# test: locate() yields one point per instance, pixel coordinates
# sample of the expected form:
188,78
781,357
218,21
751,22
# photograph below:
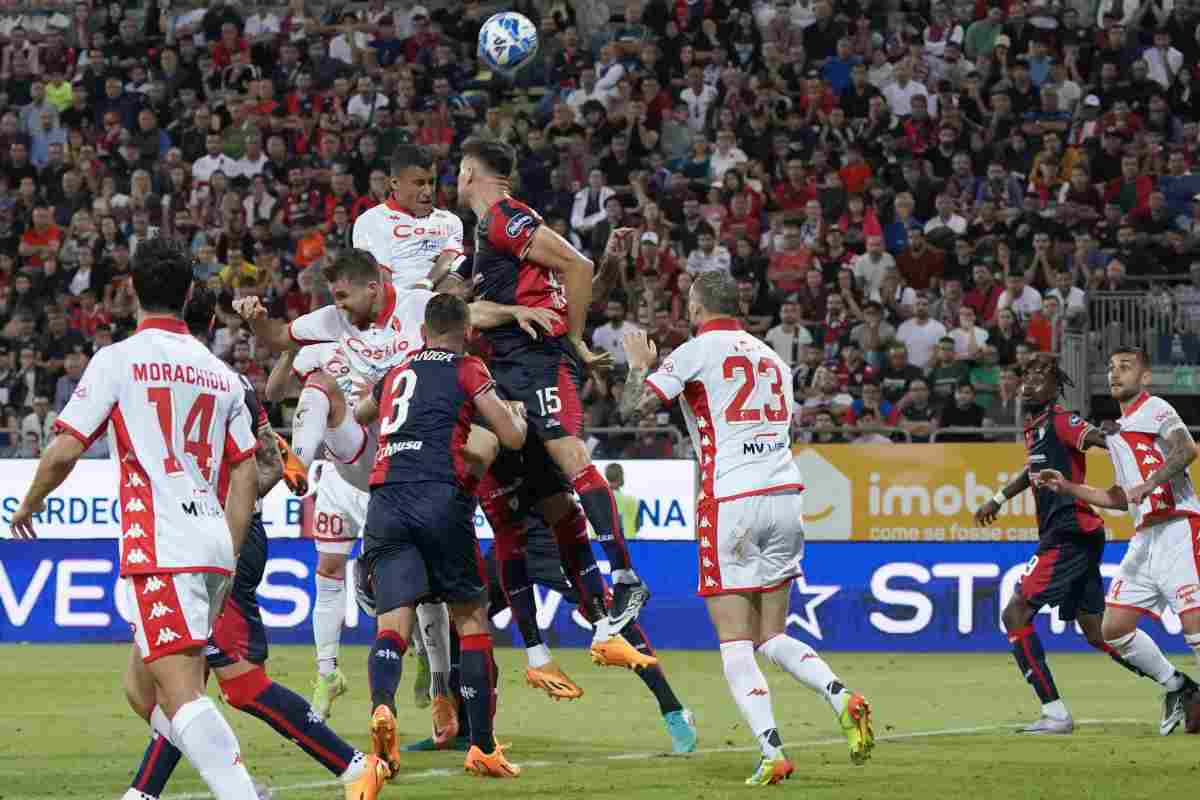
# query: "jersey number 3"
737,413
405,385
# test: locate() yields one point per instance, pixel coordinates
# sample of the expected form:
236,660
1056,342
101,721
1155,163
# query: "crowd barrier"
855,596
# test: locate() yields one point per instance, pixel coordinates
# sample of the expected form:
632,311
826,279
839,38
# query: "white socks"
329,613
206,740
160,724
624,576
347,440
134,794
1055,709
1193,641
355,770
802,663
751,694
434,621
1140,650
538,655
309,423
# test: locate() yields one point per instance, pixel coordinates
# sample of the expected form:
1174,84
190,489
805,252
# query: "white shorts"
173,612
339,514
752,544
1161,569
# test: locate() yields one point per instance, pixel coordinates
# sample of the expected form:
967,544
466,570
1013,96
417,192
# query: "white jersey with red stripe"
737,395
372,351
178,415
406,245
1139,448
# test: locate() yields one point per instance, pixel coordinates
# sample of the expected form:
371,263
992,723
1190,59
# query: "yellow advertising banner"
926,492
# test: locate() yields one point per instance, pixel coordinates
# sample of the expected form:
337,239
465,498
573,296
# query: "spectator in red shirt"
1132,190
853,371
92,315
424,40
985,294
787,270
855,171
41,240
341,193
813,299
740,222
794,192
230,43
921,265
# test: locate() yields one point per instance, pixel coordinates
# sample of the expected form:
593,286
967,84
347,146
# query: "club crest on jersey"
518,223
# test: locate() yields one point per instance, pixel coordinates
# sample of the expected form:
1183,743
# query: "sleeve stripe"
487,387
666,401
235,457
86,441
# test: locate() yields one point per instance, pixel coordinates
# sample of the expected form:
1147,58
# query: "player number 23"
774,411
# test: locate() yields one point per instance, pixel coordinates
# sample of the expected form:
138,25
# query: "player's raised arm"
642,353
53,467
268,459
506,422
274,334
281,376
1113,497
549,249
534,321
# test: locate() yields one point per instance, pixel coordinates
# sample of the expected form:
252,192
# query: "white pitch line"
887,737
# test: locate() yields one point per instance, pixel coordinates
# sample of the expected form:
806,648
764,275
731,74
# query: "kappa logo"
832,514
135,481
1142,447
668,366
160,609
153,584
137,556
211,650
705,542
705,522
707,562
166,636
135,504
709,581
135,532
313,717
517,224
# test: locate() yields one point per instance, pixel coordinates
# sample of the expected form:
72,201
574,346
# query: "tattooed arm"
270,465
636,402
1182,452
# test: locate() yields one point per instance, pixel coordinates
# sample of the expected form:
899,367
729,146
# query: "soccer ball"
507,42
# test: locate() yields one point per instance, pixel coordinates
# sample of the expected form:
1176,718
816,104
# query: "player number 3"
403,390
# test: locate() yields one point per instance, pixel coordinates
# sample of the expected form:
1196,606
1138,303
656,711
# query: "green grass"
65,732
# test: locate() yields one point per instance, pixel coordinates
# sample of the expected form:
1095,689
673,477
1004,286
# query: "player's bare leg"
629,593
737,620
1092,627
804,664
161,756
478,676
1030,656
384,666
329,613
197,727
1122,634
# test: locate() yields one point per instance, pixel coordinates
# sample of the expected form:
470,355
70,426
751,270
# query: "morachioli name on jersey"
159,372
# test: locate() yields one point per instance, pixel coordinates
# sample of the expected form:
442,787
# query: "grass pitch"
944,723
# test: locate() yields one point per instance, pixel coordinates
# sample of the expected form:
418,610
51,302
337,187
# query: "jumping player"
520,261
178,421
1065,571
237,650
420,539
1151,450
748,515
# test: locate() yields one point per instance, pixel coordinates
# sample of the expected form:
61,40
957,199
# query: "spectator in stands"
868,419
826,396
870,267
969,338
788,267
708,255
915,414
1018,296
921,265
822,429
961,412
921,333
946,371
1005,411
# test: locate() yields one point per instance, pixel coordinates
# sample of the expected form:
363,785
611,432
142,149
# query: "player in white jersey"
175,415
737,396
1151,449
406,234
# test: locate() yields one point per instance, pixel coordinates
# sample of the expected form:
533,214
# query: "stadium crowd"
914,198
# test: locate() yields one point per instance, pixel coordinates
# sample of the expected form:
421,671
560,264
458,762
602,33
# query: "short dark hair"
410,155
446,313
496,157
200,310
354,264
1136,352
717,293
162,275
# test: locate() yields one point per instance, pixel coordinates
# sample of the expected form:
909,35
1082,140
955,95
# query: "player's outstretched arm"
268,460
53,467
506,420
280,378
270,333
534,321
986,514
1055,481
239,502
642,353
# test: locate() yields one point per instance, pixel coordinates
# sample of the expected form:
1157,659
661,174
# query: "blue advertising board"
856,596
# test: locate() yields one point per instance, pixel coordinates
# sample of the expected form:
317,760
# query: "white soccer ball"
507,42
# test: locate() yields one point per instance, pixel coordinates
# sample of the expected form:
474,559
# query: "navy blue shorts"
542,561
1066,575
239,633
420,544
528,475
547,376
